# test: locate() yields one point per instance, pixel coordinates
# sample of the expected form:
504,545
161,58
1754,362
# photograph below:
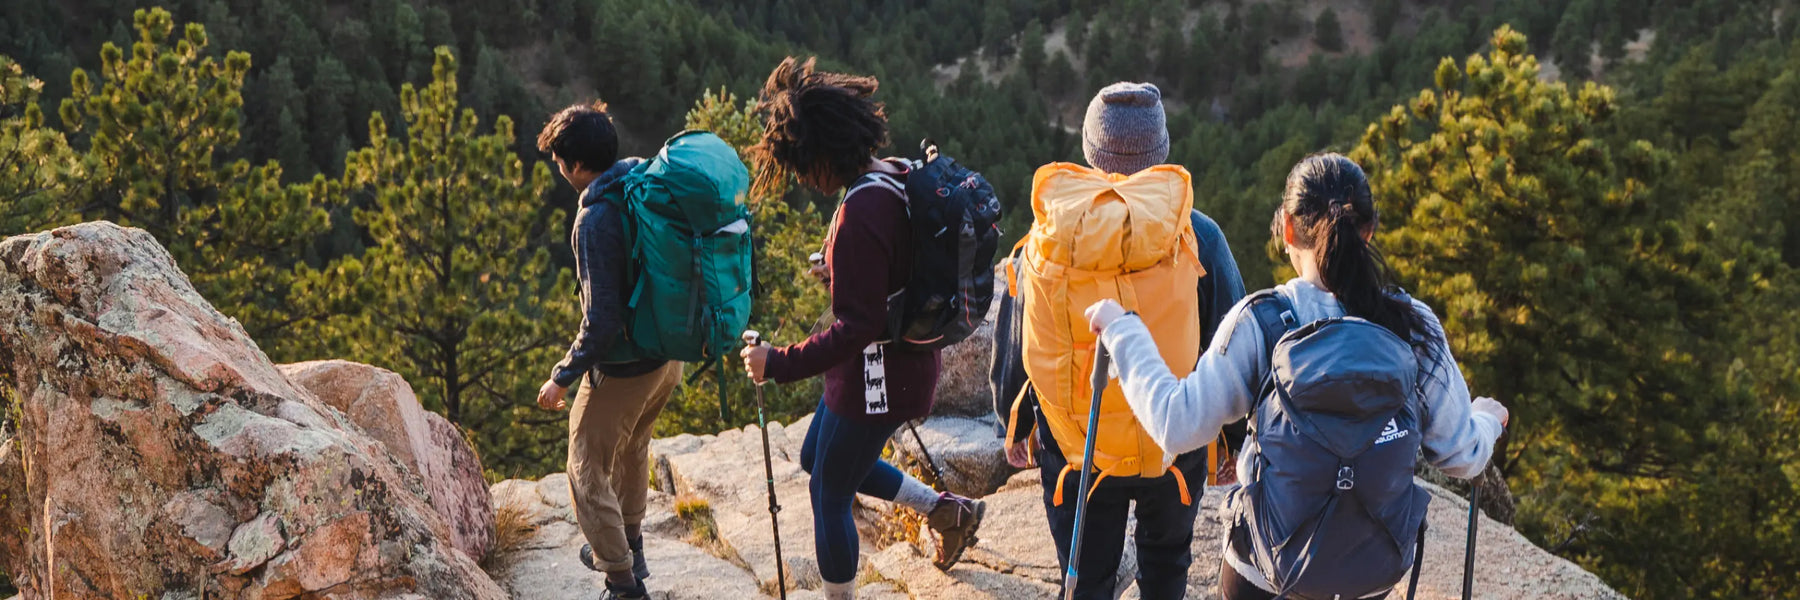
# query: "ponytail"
1333,211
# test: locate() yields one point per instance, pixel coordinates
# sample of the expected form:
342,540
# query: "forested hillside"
1600,200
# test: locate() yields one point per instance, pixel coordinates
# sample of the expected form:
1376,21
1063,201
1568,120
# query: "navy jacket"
602,266
1219,290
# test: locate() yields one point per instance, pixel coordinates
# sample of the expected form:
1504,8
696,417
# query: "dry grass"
512,527
899,524
703,530
801,575
870,576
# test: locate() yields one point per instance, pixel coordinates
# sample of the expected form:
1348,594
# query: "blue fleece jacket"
603,268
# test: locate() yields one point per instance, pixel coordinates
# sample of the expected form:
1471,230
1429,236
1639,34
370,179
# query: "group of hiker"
1130,367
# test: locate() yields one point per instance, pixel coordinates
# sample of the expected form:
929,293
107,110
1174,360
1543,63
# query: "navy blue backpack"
1328,509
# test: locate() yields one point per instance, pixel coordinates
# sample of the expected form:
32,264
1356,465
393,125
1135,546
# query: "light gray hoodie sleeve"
1185,415
1458,440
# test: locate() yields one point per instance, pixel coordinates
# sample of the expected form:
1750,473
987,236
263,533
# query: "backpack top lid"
696,167
1075,217
1341,379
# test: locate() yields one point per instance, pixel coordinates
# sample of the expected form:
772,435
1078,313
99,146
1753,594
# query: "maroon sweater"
868,253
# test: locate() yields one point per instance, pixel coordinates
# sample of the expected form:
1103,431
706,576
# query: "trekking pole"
752,338
1469,554
1073,575
929,462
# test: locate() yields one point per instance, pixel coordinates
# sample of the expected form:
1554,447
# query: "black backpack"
955,221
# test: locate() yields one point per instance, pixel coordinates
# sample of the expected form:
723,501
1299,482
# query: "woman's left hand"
1103,313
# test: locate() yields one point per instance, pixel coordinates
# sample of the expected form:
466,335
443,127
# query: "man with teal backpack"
662,253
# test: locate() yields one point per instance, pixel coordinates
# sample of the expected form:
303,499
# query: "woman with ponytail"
823,129
1326,222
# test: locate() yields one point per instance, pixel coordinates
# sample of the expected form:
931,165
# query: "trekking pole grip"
1102,364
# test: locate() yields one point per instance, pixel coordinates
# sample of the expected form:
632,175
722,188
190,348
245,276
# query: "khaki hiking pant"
609,456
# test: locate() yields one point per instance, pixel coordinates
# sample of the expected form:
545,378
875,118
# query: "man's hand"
551,396
1103,313
1492,407
1018,454
756,358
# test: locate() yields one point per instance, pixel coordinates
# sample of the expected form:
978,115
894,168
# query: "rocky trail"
1014,560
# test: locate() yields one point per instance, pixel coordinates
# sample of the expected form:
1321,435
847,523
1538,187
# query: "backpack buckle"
1346,478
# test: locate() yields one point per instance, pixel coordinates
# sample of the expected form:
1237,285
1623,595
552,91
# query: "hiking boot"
639,568
637,591
955,520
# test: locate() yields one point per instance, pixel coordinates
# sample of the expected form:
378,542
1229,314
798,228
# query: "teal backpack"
689,234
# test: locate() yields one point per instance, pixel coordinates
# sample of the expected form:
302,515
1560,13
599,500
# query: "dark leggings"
850,463
1233,586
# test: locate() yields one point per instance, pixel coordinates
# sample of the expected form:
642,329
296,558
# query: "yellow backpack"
1097,236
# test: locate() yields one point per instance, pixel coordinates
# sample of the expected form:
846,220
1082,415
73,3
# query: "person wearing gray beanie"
1124,133
1125,130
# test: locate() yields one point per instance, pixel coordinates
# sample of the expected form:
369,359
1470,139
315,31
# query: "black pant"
1165,529
1233,586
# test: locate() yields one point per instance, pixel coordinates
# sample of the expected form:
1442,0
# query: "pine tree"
1172,71
1077,26
332,89
1569,291
1763,199
154,128
1060,79
1387,15
996,30
34,159
1031,49
1328,33
457,293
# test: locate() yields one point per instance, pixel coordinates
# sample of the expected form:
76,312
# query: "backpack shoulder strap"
1275,315
876,178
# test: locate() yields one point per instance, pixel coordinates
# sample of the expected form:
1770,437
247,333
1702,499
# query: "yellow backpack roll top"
1097,236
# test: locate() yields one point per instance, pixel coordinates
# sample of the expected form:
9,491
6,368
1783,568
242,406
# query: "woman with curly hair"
823,129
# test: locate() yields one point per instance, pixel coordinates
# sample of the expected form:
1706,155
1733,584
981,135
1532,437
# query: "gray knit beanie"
1125,130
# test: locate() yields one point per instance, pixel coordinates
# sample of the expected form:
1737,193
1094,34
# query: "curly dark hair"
819,127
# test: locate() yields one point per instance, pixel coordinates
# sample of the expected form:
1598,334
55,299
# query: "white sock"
916,495
840,591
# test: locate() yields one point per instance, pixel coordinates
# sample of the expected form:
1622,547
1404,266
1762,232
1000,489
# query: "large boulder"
165,457
963,389
965,450
15,508
382,404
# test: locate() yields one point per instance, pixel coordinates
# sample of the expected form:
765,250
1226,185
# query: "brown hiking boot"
955,520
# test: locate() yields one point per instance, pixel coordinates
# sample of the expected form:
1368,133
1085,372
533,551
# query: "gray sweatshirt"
1185,414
